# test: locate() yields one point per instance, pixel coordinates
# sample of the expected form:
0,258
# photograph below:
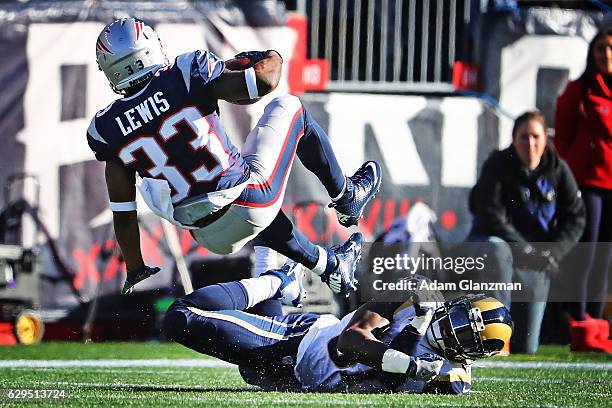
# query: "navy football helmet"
470,327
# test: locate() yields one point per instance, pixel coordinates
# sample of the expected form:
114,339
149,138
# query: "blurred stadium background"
427,87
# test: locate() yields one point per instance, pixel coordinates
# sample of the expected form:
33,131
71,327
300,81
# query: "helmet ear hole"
493,345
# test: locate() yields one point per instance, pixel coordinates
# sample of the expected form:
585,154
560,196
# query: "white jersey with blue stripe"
315,369
320,367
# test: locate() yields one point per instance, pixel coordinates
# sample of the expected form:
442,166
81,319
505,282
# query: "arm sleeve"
199,68
102,151
566,117
486,203
571,213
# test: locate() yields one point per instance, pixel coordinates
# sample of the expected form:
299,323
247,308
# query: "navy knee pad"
175,323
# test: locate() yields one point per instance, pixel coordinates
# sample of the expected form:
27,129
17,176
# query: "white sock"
321,262
265,259
260,288
339,196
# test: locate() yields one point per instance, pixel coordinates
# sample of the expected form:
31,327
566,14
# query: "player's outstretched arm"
358,343
120,183
122,194
248,76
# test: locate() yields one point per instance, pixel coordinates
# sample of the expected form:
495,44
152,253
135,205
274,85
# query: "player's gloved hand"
425,300
256,56
428,307
133,277
425,368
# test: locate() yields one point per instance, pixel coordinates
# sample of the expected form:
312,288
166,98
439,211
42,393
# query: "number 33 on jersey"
172,132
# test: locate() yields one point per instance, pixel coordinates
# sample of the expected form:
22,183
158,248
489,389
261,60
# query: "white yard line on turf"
541,381
205,363
545,364
115,363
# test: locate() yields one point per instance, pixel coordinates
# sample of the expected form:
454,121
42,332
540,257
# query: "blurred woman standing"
583,137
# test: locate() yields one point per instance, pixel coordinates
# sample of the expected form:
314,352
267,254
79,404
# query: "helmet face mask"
470,327
129,53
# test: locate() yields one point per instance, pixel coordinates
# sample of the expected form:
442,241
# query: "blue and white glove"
422,368
425,368
425,303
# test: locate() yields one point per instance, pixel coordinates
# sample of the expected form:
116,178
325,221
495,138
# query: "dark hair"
526,117
587,79
591,69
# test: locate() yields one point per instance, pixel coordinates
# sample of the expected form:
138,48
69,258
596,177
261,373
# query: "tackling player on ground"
414,342
166,129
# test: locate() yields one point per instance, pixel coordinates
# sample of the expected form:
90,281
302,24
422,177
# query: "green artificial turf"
575,385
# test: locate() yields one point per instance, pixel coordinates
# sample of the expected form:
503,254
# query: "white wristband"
394,361
251,82
123,206
421,323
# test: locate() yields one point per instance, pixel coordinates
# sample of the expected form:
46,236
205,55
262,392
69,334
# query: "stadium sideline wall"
431,147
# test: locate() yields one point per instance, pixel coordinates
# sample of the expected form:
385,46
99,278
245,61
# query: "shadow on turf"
161,388
153,388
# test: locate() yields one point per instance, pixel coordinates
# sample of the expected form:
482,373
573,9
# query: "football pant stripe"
266,193
255,324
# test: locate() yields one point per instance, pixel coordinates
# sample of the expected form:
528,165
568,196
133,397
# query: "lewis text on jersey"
153,105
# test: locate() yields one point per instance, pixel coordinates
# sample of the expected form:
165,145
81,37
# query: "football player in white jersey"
415,343
166,129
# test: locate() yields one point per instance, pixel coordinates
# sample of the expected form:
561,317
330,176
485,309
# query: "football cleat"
361,187
137,276
342,279
291,291
470,327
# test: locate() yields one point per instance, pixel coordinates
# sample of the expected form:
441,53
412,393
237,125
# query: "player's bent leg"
236,336
282,283
269,149
282,236
285,129
270,308
336,266
316,153
219,296
349,195
265,260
